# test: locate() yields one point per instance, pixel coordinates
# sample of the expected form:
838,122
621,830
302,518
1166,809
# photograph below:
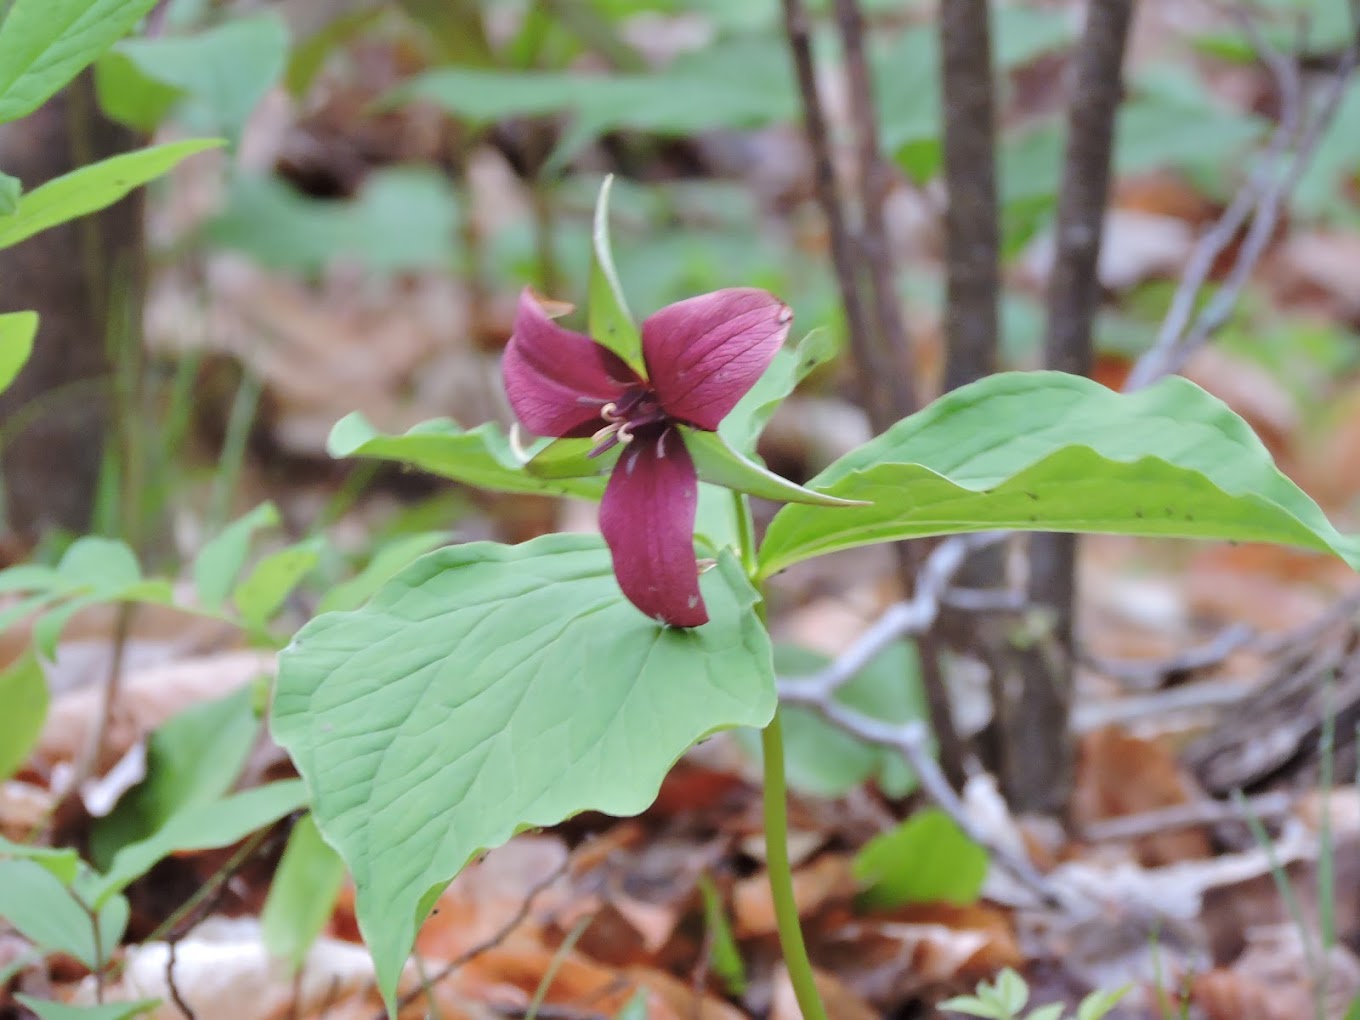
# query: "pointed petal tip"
705,352
557,379
647,519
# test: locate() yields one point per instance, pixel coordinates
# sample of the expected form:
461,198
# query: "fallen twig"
1183,816
487,944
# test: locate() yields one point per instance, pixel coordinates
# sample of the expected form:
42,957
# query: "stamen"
625,433
610,411
607,432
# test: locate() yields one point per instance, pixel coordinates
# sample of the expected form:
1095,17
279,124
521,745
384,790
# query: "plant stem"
781,874
775,794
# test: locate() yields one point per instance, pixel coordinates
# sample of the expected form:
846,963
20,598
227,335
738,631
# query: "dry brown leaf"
24,808
488,895
1119,775
148,697
825,880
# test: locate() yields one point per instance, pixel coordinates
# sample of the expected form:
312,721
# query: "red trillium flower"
701,356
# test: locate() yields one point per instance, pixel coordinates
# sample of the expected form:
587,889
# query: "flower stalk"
775,798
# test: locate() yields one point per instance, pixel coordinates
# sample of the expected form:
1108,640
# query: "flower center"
636,409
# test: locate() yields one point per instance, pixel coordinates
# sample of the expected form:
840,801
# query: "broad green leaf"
23,692
265,588
62,862
93,187
385,564
1044,451
103,564
744,423
217,76
926,859
719,464
481,457
46,43
221,558
1054,1011
46,1010
17,330
202,827
302,895
11,190
44,911
490,688
192,759
825,761
610,323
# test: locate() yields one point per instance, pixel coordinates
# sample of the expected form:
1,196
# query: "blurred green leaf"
23,693
17,330
302,895
45,912
385,564
201,827
724,955
215,79
926,859
92,187
266,587
46,43
46,1010
403,219
11,190
192,759
220,560
825,761
62,862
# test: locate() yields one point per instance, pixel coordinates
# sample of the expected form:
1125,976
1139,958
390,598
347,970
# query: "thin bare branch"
490,942
880,366
869,367
1036,747
972,212
1184,816
890,334
1256,205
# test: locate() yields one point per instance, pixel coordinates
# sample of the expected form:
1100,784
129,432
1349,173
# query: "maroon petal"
647,517
557,380
704,353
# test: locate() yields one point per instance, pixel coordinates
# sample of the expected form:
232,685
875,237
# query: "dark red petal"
556,379
647,517
704,353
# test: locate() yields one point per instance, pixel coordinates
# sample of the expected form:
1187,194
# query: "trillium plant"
491,688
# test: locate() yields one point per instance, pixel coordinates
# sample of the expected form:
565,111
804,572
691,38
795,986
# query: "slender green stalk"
776,798
781,874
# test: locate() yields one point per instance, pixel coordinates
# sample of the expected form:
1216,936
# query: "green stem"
777,815
781,874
